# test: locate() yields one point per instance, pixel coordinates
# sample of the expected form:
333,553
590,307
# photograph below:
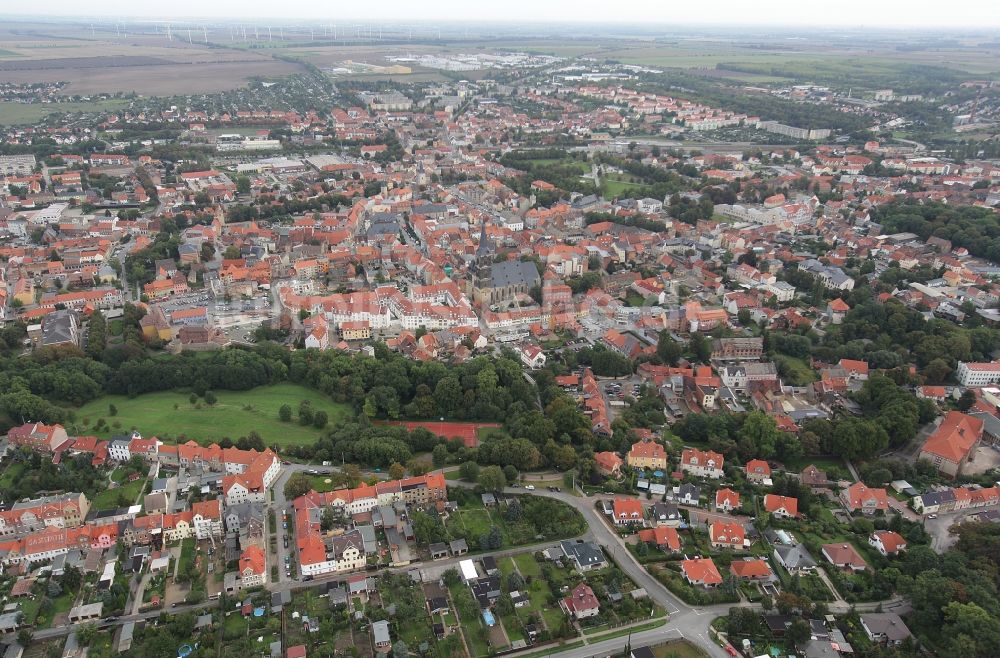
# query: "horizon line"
636,22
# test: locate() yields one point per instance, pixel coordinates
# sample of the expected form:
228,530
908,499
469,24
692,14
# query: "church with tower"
493,282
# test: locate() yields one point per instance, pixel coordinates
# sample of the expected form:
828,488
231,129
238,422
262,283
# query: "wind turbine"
204,32
170,37
189,36
269,33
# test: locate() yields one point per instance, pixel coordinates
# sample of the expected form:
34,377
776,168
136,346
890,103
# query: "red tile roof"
955,437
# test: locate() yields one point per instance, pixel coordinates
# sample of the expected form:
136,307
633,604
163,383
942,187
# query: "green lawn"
187,554
796,370
615,188
680,649
108,498
11,475
527,565
235,414
61,604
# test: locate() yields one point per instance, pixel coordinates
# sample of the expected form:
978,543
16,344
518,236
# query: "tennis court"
467,432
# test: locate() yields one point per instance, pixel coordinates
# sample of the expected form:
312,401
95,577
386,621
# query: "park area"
234,414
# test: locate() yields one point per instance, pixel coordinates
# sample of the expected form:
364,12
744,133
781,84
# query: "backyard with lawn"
120,496
171,414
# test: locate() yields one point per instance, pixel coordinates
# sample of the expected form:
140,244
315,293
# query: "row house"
959,498
52,542
64,511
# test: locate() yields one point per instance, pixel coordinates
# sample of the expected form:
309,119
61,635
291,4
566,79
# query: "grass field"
614,188
237,413
109,498
12,114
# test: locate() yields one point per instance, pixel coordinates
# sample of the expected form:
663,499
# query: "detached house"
726,500
755,569
844,556
608,463
701,463
663,537
627,511
701,571
727,535
647,454
759,472
859,497
887,542
581,602
781,506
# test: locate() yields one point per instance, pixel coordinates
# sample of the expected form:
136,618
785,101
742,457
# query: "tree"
86,634
758,437
668,349
71,579
965,402
492,478
328,519
439,455
491,540
298,484
937,371
798,632
396,471
210,398
305,412
700,348
400,650
451,577
320,419
285,413
469,471
112,410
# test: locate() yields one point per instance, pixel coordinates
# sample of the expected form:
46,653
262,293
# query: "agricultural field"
160,80
144,64
235,414
14,114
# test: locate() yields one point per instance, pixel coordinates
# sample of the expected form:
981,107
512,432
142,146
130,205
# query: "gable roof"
701,570
774,502
955,436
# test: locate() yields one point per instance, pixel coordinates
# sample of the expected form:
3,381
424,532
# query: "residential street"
684,621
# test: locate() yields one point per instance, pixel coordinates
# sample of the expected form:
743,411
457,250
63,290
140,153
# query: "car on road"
529,487
731,650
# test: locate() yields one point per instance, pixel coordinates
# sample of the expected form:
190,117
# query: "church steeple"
485,246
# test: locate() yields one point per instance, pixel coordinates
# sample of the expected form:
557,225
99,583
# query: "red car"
731,650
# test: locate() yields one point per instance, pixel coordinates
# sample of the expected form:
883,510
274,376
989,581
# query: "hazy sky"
889,13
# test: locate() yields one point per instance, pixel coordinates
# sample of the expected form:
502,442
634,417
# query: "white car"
529,487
